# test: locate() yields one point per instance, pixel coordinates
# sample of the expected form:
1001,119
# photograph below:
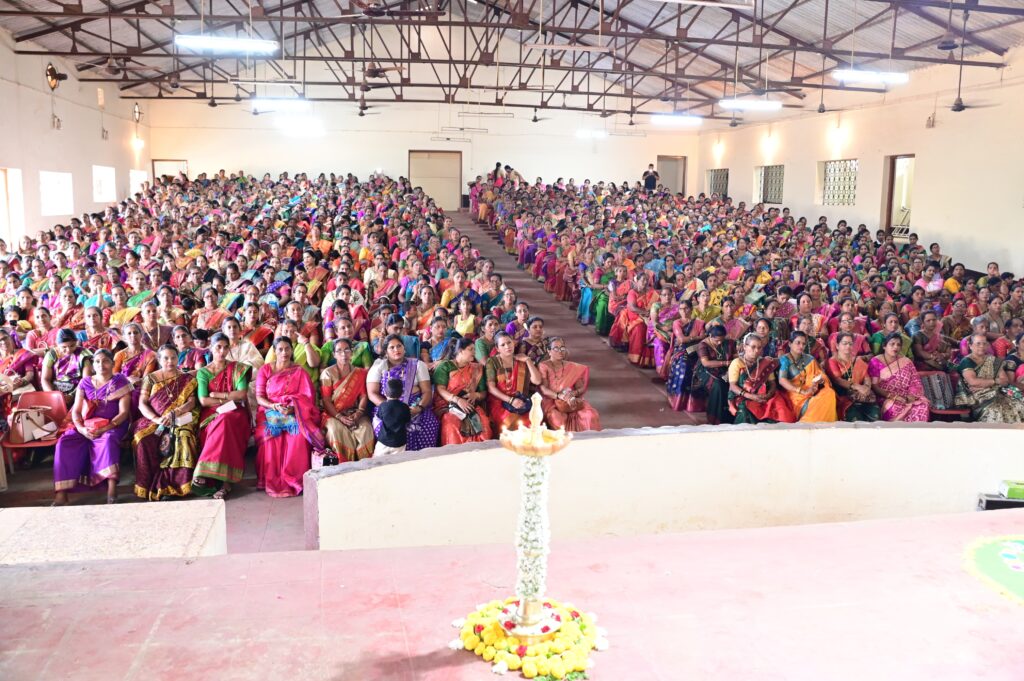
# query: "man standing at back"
650,178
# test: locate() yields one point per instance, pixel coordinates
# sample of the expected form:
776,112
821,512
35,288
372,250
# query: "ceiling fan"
375,10
958,103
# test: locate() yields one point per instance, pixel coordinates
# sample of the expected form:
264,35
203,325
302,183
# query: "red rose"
558,618
547,605
521,651
509,624
515,602
545,629
478,628
575,614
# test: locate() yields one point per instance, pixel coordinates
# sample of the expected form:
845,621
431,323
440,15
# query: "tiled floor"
886,601
256,522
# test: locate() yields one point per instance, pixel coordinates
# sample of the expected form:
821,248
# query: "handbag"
29,424
525,408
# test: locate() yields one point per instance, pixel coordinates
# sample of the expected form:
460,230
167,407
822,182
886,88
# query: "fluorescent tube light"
711,3
450,139
455,129
870,77
750,104
676,120
490,114
280,104
553,47
243,83
225,44
625,133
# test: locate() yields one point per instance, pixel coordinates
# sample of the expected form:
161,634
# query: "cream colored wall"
666,480
230,137
29,143
968,183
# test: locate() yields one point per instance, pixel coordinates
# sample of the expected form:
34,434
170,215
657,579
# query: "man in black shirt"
651,178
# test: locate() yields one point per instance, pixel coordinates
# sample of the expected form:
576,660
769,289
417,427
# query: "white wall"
230,137
969,181
30,144
671,479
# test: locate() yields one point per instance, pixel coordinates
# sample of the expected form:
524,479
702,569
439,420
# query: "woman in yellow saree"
809,391
343,392
165,436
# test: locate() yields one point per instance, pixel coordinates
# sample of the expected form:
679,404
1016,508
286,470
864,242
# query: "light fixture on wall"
736,104
225,44
138,143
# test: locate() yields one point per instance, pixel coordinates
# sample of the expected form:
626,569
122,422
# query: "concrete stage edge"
623,483
878,600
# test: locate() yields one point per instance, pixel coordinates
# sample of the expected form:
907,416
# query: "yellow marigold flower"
471,642
489,653
479,650
529,669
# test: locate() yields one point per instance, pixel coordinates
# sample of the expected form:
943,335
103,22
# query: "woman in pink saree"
563,385
894,379
287,423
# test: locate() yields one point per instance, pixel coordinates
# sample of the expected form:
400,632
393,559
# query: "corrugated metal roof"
800,22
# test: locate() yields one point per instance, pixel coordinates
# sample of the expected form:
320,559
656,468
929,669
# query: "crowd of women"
201,315
750,315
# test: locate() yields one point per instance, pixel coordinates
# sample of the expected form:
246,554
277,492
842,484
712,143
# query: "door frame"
686,167
890,186
436,151
154,161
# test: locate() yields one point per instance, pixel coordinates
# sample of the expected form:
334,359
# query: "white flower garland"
534,532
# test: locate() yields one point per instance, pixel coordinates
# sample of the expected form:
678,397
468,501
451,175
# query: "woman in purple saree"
424,429
89,453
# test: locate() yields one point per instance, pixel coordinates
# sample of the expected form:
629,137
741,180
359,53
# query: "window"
104,184
135,180
56,194
718,181
839,183
768,184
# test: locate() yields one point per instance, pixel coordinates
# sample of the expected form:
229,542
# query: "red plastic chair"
58,413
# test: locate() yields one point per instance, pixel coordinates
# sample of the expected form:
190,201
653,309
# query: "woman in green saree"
613,284
987,387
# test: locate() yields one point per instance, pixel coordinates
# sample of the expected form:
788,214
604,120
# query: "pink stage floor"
859,602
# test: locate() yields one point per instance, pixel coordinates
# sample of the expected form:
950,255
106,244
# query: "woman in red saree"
224,423
459,384
855,401
753,393
629,332
164,436
509,377
17,371
96,336
287,423
69,314
343,393
44,336
210,317
563,384
257,333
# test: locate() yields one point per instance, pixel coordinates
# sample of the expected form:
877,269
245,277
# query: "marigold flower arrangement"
486,632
